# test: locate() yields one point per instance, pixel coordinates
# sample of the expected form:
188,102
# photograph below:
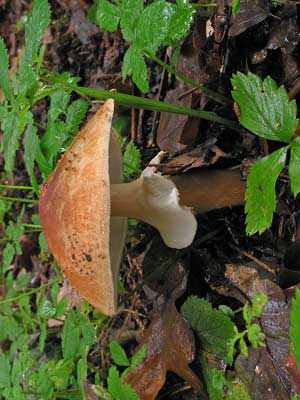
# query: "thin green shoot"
18,199
19,187
30,292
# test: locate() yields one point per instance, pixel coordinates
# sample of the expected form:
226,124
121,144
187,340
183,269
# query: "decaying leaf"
294,372
177,132
250,14
206,154
275,324
170,347
258,374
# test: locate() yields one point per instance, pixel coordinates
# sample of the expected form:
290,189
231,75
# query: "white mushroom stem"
169,203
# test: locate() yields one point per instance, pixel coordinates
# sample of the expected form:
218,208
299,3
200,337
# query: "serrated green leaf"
46,309
131,10
117,389
265,109
150,33
31,146
260,193
36,25
118,354
4,370
132,160
71,337
75,114
60,372
294,166
107,15
138,357
180,24
4,75
14,231
35,28
134,66
8,256
243,347
213,328
294,331
12,127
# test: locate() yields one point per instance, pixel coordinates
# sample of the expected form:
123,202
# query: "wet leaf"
212,326
250,14
170,347
134,66
260,192
265,109
285,35
293,166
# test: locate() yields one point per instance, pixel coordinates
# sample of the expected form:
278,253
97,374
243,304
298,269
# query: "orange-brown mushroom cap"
75,211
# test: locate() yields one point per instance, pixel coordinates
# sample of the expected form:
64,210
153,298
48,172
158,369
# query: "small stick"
260,263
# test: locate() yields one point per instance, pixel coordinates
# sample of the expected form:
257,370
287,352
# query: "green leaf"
132,160
138,357
256,336
31,146
71,337
294,166
4,74
294,331
36,25
214,379
265,109
60,372
134,66
42,242
131,10
4,370
58,105
260,193
75,115
12,126
3,209
46,309
107,15
118,354
8,256
180,24
213,328
14,231
117,389
151,33
258,302
236,6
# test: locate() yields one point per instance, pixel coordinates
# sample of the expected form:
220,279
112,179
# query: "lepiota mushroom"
84,207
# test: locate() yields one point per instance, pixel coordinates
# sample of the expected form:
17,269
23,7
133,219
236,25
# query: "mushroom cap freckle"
75,212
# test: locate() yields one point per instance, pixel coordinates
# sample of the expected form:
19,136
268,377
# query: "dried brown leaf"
170,347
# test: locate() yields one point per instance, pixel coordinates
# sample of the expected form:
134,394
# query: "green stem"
16,187
33,226
18,199
210,93
30,292
146,104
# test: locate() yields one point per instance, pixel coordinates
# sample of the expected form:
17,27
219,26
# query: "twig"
260,263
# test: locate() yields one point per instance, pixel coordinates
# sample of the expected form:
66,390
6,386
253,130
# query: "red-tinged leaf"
170,347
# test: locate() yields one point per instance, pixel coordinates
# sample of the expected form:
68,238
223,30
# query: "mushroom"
84,207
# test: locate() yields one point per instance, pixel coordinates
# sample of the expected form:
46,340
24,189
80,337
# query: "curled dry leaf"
170,347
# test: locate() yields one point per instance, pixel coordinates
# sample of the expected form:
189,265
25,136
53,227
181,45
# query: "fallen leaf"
170,347
294,372
206,154
177,132
258,374
250,14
